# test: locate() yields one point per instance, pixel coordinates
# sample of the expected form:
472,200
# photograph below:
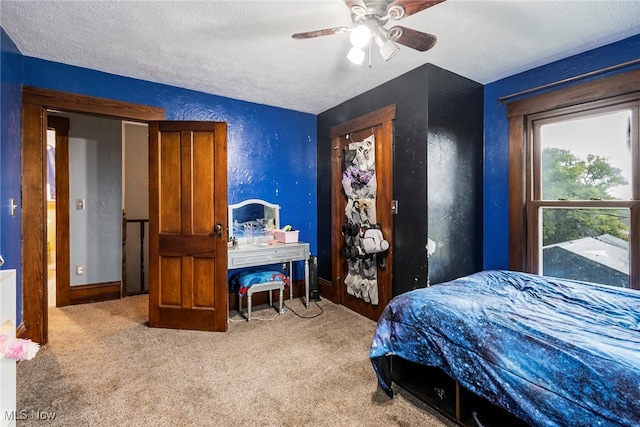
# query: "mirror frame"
276,215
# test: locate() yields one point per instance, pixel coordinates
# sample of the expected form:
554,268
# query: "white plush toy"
16,349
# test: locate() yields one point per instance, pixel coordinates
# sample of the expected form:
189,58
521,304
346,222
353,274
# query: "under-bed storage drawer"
438,390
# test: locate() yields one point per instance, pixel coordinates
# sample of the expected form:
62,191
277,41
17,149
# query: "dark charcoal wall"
414,132
455,170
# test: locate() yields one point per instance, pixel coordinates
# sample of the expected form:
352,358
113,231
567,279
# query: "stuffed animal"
16,349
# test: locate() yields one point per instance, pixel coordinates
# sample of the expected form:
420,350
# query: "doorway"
35,103
51,214
135,208
57,195
85,156
362,183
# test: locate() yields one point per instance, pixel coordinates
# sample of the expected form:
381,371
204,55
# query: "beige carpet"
104,367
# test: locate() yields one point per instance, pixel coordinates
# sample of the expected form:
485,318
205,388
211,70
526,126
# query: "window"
575,182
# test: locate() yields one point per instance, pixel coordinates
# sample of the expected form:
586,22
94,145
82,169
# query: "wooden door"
378,124
187,225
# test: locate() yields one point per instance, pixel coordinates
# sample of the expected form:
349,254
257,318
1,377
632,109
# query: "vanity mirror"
250,220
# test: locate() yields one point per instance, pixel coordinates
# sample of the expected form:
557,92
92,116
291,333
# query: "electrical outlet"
79,270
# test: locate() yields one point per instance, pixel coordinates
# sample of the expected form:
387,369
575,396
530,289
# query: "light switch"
79,204
13,206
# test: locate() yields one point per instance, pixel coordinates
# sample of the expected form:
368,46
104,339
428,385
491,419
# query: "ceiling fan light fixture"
360,36
356,56
388,48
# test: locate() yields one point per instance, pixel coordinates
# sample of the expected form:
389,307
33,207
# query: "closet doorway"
362,200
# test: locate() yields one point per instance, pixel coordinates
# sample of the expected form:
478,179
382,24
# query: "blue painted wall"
10,159
496,133
271,151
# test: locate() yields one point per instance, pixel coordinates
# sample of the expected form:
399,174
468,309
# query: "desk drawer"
264,256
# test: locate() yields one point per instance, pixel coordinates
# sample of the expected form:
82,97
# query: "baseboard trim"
21,331
327,290
94,292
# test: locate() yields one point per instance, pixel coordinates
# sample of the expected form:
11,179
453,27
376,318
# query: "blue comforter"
553,352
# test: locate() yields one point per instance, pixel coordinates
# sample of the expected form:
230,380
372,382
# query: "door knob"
217,230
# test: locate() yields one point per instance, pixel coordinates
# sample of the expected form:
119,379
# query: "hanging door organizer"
364,242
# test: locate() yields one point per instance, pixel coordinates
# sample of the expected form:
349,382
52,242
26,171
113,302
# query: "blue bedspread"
553,352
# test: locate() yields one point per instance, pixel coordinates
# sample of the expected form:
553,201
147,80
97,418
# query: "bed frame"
435,388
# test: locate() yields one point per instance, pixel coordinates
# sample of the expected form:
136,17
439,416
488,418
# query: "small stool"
261,287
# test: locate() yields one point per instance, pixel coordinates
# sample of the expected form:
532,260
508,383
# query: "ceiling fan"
370,17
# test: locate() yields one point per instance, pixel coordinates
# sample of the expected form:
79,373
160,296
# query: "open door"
362,191
187,225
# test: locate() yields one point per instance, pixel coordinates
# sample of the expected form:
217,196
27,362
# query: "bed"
549,351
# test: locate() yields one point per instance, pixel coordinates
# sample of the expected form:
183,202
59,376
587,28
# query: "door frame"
35,103
381,122
61,127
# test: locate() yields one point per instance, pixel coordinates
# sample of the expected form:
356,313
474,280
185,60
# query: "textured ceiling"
244,49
